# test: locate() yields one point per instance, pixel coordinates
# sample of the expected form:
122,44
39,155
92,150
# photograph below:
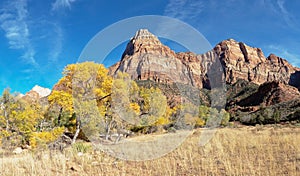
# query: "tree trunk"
108,127
76,135
7,121
77,130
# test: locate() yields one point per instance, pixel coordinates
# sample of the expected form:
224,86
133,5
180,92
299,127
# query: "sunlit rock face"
243,62
43,92
146,58
37,93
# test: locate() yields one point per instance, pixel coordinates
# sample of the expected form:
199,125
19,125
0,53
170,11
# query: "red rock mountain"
146,58
37,93
270,93
243,62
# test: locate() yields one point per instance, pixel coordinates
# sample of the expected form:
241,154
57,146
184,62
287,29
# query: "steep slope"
37,93
271,93
43,92
243,94
146,58
243,62
254,82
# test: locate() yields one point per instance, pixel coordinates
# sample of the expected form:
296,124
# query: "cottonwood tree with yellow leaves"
98,104
19,119
89,103
139,107
83,95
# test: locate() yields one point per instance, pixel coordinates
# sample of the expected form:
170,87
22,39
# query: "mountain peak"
144,34
144,42
144,52
43,92
230,40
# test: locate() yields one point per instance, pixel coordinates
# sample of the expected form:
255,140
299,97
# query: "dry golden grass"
232,151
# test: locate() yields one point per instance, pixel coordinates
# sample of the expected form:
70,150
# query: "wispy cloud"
57,42
183,9
61,4
293,58
13,21
288,18
279,9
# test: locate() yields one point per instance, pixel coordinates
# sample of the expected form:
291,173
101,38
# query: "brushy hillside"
259,150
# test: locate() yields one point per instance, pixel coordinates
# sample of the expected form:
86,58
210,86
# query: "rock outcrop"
43,92
146,58
31,96
271,102
37,93
243,62
271,93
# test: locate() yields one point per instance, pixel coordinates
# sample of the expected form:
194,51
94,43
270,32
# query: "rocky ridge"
43,92
243,62
146,58
37,93
254,81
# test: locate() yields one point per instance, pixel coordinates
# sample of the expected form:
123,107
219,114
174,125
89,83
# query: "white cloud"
57,44
278,8
58,4
183,9
293,58
13,21
288,18
29,56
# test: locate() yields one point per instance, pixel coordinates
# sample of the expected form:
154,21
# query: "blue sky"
38,38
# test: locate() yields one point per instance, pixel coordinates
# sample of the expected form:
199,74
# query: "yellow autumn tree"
19,119
94,101
166,118
82,94
153,105
61,105
138,107
225,117
123,104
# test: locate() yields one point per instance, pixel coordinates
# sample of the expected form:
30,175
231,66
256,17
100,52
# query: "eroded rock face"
271,93
31,96
37,94
243,62
43,92
146,58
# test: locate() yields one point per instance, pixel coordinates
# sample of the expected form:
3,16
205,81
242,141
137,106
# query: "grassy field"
260,150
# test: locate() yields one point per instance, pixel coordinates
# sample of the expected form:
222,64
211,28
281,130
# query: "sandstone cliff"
243,62
271,93
146,58
37,94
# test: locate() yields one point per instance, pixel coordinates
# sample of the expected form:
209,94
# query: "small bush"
81,147
162,121
41,138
